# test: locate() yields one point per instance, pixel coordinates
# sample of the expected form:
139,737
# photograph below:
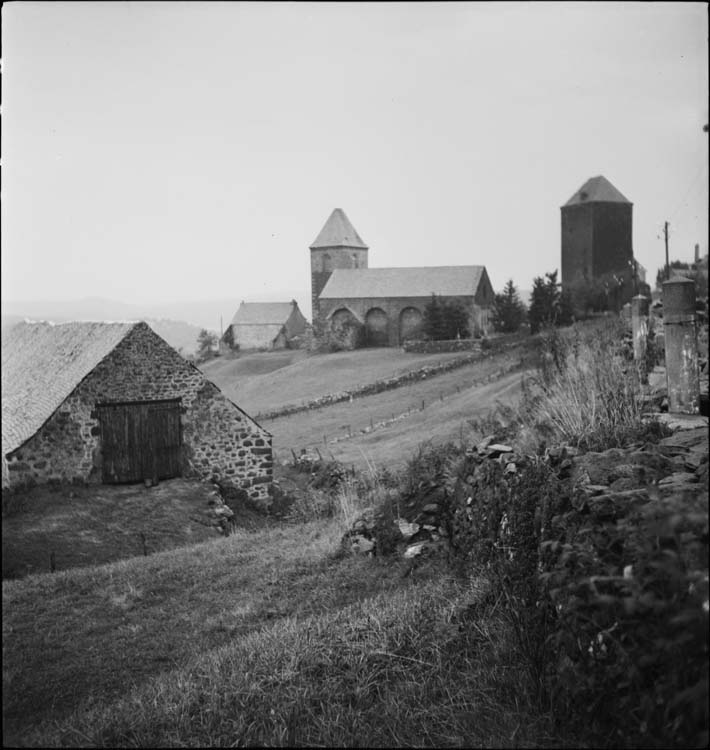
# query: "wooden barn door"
140,440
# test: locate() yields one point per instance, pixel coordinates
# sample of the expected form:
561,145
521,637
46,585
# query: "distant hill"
209,313
180,335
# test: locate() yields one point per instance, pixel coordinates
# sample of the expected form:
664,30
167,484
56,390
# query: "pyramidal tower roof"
338,232
597,190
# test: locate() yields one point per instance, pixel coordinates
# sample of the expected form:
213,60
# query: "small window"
355,262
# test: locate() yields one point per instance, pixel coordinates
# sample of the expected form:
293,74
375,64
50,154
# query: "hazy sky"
167,151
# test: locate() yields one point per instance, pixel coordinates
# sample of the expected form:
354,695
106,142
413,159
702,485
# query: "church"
385,305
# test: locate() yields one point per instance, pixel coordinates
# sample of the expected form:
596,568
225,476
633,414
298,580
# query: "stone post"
680,335
639,331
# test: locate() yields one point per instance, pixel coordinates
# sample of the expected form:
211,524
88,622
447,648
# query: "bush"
611,618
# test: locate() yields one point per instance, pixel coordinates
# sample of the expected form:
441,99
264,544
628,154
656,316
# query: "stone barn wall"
218,439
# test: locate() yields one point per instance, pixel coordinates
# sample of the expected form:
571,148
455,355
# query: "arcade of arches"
377,328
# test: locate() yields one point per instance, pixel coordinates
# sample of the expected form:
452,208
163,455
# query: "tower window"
355,262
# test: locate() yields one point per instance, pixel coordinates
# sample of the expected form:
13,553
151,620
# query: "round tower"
337,245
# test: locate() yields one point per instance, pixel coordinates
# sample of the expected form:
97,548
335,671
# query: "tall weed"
585,393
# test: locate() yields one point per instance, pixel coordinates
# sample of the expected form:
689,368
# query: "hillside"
383,428
257,639
266,381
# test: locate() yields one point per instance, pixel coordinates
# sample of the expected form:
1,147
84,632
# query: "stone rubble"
602,483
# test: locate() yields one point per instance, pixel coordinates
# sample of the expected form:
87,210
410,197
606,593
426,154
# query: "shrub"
584,393
630,638
610,617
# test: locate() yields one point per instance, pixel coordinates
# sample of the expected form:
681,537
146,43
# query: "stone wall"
438,347
220,441
393,309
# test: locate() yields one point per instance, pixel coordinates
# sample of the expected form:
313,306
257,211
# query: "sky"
163,152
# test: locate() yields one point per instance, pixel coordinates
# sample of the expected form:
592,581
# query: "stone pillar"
680,335
639,331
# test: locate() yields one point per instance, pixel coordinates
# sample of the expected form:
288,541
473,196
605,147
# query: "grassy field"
83,526
438,409
269,380
259,638
450,400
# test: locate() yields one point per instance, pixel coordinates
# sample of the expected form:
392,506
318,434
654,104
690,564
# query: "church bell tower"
337,245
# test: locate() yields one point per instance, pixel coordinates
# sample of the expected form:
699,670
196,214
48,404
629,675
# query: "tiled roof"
597,190
402,282
262,313
338,232
42,363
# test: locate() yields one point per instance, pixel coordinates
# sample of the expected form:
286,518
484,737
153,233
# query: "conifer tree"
544,302
508,310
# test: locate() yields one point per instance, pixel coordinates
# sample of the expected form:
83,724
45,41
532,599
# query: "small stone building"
114,403
267,325
596,238
385,305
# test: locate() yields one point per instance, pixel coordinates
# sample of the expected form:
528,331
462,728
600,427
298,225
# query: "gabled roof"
42,363
263,313
338,232
447,281
597,190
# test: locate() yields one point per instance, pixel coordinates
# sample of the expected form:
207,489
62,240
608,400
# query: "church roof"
338,232
449,281
263,313
42,363
597,190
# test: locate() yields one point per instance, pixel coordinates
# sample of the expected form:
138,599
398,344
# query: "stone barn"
114,403
385,306
267,325
596,237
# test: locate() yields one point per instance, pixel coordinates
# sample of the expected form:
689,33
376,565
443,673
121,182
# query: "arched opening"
345,331
376,328
327,263
411,323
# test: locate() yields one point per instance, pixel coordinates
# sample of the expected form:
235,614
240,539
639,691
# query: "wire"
674,212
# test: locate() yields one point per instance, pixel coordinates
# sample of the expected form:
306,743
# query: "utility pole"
665,234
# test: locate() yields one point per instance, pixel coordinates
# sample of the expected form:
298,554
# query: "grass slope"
98,524
268,380
260,638
450,402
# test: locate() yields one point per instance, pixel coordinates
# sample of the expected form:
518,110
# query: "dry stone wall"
388,384
220,441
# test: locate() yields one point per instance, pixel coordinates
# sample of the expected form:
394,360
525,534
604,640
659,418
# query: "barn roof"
453,281
338,232
263,313
42,363
597,190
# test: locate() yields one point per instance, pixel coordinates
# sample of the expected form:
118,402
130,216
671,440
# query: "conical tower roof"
597,190
338,232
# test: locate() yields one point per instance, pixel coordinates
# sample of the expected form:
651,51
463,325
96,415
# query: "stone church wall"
387,330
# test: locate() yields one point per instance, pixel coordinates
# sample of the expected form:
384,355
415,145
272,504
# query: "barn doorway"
140,440
376,328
